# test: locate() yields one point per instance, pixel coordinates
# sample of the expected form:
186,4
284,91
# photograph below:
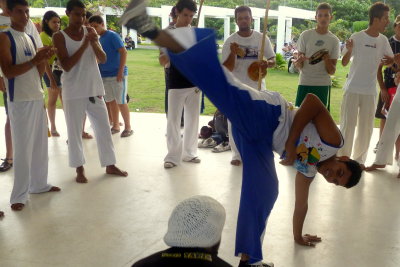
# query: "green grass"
146,85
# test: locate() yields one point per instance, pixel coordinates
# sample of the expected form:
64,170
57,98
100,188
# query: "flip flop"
114,131
126,133
86,135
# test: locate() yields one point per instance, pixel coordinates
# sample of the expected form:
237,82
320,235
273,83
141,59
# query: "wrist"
31,63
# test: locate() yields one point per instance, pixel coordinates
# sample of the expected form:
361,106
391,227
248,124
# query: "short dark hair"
13,3
173,12
242,9
96,19
74,3
45,21
356,171
88,14
188,4
377,10
324,6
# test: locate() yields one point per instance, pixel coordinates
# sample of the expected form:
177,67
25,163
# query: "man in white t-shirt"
368,49
23,67
315,72
30,29
240,50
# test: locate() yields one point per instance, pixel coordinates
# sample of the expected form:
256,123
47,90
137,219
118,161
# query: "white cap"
196,222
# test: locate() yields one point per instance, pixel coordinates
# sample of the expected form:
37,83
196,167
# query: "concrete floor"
116,221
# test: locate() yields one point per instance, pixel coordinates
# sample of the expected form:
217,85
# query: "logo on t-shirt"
319,43
306,156
250,52
27,52
370,46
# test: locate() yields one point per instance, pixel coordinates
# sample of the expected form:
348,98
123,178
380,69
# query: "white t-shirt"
30,29
367,54
310,41
251,45
84,79
24,87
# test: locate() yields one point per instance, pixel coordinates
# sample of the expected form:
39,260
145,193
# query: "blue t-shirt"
111,43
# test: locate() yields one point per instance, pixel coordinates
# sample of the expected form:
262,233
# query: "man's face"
383,22
185,17
98,27
77,16
243,20
19,15
323,17
335,171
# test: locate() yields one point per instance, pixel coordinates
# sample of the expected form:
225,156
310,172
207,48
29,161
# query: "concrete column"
257,25
288,35
165,10
280,38
227,28
201,22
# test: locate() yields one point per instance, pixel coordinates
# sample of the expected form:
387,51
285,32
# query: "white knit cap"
196,222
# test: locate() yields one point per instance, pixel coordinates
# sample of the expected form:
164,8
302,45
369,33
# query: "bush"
360,25
280,62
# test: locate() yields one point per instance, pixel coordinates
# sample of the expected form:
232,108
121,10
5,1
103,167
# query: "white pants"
178,99
357,110
74,111
384,154
235,152
29,136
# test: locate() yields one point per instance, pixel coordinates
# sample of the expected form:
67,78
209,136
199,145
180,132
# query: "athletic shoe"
207,143
5,166
135,17
263,264
224,146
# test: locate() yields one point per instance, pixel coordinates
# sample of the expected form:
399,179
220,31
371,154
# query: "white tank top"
27,86
84,79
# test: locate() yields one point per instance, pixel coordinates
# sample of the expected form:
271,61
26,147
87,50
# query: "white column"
227,28
288,37
165,10
104,16
257,22
280,38
201,22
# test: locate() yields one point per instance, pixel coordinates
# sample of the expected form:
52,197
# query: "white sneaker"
207,143
221,147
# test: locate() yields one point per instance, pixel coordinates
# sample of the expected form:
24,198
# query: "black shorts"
57,77
5,102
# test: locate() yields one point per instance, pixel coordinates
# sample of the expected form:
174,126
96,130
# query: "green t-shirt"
47,41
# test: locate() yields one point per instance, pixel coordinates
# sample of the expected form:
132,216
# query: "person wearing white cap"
194,235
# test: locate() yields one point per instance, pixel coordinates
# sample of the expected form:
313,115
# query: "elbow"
103,59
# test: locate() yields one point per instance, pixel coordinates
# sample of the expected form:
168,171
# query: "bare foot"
374,167
17,206
112,169
1,215
54,189
80,175
236,162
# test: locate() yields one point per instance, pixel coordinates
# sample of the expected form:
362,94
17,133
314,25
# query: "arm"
163,59
66,61
311,110
49,73
13,70
2,85
122,63
384,92
347,56
330,65
302,187
299,62
231,60
94,42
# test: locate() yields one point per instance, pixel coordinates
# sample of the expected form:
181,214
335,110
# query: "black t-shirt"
176,80
182,257
389,72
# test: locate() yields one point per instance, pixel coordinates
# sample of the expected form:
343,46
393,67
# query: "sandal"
55,133
86,135
114,131
126,133
169,165
193,160
6,165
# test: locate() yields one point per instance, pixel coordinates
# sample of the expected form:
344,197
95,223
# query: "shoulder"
333,37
